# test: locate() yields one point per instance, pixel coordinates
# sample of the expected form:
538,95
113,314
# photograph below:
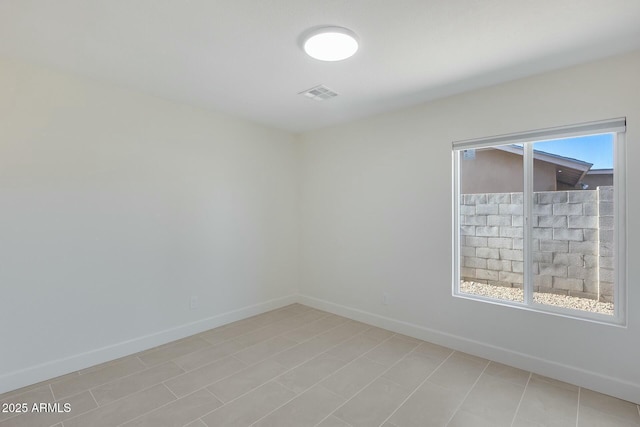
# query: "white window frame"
617,127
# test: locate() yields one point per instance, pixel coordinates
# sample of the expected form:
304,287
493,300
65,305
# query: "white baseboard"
55,368
591,380
594,381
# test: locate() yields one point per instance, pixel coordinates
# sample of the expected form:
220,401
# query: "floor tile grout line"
281,333
10,417
283,385
296,366
117,400
216,397
338,370
108,363
212,346
515,415
467,393
267,358
392,381
418,386
249,365
246,348
288,348
52,393
44,384
310,323
237,336
170,391
94,399
140,360
578,408
159,407
223,403
318,382
165,346
235,355
267,325
379,376
331,415
342,397
154,349
260,361
177,399
362,332
310,338
146,366
68,397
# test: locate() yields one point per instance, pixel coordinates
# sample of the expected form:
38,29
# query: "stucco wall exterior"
496,171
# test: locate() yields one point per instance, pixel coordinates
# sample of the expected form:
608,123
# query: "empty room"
336,213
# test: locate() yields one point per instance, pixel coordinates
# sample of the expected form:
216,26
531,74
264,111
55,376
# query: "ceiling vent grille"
319,93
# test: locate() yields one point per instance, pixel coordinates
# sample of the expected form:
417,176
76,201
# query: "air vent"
319,93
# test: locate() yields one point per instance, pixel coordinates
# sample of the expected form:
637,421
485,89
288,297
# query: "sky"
596,149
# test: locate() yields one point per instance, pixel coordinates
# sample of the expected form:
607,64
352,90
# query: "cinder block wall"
572,241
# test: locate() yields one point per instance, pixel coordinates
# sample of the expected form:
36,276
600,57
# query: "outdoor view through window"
571,234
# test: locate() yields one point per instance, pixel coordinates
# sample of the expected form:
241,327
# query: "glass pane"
572,231
491,222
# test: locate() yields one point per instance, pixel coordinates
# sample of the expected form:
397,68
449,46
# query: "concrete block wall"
572,241
605,243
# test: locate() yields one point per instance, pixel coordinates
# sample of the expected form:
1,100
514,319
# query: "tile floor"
298,366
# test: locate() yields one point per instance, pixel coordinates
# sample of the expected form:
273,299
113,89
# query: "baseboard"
604,384
55,368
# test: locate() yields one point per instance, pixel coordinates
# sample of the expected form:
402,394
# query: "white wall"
376,217
116,207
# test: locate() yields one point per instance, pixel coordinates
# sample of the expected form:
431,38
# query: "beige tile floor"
298,366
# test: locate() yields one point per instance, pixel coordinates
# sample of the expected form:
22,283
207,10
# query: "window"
539,220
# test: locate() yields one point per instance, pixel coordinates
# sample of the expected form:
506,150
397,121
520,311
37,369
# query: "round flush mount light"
330,43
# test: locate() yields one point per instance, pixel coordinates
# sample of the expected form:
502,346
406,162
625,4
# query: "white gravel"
515,294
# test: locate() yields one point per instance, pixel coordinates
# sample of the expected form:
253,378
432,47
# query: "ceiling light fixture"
330,43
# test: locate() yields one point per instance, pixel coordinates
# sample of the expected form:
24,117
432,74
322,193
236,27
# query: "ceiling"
243,57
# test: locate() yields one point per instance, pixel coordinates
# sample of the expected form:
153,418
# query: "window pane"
491,222
572,233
